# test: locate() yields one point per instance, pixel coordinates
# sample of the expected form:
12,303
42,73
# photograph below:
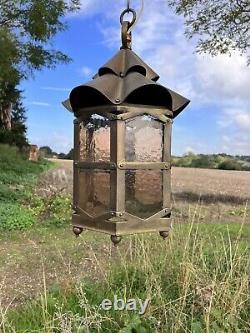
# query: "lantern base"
120,227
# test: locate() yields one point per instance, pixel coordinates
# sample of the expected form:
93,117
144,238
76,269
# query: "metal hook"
127,26
126,36
130,10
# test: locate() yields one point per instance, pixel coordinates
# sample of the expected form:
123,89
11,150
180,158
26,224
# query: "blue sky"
218,118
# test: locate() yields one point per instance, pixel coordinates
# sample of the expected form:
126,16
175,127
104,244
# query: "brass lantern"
122,148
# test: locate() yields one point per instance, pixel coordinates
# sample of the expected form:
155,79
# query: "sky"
217,119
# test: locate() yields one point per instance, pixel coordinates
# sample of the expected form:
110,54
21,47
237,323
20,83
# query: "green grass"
197,281
16,169
17,179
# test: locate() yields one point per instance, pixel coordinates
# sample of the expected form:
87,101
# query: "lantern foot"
77,231
116,239
164,234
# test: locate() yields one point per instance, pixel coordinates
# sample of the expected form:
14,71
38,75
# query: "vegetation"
69,156
17,135
216,161
20,207
39,21
47,152
221,26
197,281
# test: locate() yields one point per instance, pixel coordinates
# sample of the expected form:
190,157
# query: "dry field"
211,185
188,184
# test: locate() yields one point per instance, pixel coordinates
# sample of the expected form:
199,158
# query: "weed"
198,281
15,217
53,208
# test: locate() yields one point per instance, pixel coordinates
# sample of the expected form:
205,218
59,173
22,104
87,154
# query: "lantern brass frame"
118,222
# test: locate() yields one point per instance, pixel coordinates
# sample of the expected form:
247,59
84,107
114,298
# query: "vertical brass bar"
76,159
167,141
117,178
167,158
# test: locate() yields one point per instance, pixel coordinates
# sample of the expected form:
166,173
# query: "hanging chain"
128,4
126,26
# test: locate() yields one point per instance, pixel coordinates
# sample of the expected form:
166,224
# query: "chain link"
128,4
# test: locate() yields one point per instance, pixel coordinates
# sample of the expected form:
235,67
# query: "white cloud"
189,149
237,118
36,103
86,72
56,89
220,83
237,144
235,130
223,77
242,120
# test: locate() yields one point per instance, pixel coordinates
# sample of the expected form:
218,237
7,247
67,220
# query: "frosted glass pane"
144,139
95,139
144,192
94,192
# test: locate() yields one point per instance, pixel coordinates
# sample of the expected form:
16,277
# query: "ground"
53,256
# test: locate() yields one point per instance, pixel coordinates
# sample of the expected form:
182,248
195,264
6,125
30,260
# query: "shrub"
11,195
230,164
15,217
54,208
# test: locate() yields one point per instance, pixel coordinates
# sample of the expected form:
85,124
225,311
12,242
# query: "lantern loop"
126,28
126,11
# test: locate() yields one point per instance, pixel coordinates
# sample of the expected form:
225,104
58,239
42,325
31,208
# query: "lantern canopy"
122,148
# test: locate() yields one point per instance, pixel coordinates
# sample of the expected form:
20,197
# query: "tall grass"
197,281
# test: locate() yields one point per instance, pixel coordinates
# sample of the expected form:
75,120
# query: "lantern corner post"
167,185
117,176
76,159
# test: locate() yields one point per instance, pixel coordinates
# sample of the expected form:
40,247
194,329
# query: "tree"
222,26
46,151
70,155
230,165
26,27
17,135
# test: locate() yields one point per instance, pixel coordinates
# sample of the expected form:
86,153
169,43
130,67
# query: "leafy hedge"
216,161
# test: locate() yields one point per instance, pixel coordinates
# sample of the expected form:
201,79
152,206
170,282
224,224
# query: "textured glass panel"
94,192
95,139
144,139
144,192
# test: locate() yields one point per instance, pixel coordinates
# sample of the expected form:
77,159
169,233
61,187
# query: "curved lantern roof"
125,79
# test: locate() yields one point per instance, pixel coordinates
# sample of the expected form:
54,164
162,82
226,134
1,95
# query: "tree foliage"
17,135
221,26
214,161
26,27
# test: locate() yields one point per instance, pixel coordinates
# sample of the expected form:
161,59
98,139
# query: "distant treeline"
214,161
190,160
49,153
